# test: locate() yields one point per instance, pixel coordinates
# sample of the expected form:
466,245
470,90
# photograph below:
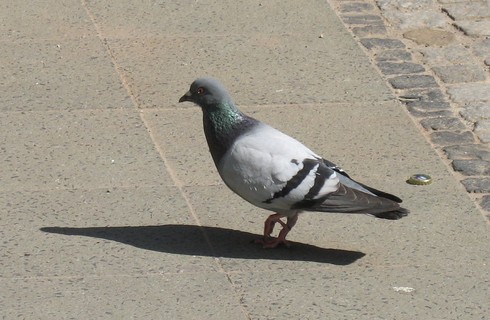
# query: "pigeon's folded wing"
274,171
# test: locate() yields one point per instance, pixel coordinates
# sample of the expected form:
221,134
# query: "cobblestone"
403,4
482,48
467,152
416,19
485,204
454,53
424,113
382,43
394,55
426,103
460,73
442,123
472,167
477,185
470,92
413,81
476,112
463,11
447,138
390,68
427,98
482,130
474,28
356,7
362,19
369,30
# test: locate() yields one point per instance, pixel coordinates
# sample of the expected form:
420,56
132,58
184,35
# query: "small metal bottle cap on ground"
420,179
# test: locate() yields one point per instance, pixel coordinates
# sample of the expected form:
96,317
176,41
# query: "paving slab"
174,296
96,232
59,74
370,293
77,149
134,20
290,64
46,20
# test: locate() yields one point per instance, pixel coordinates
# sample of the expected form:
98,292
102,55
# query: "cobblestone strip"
436,57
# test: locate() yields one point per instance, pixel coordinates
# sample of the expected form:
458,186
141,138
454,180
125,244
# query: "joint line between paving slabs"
161,152
126,85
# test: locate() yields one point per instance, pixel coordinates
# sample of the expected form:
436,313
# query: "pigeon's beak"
186,97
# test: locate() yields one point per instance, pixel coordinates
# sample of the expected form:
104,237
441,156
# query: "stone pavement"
436,57
110,206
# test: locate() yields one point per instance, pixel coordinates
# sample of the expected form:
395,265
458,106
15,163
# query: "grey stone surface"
470,92
423,17
460,73
474,28
404,5
362,19
356,7
472,167
426,103
475,112
369,30
482,47
451,54
443,123
467,11
425,98
487,61
477,185
394,55
482,130
390,68
412,81
381,43
424,113
447,138
485,203
468,152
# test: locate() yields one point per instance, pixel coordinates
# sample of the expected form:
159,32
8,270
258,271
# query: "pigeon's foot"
270,242
270,222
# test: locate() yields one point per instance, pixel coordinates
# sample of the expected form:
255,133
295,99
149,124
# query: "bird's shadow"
208,241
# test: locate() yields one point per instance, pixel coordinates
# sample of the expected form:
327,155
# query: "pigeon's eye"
200,90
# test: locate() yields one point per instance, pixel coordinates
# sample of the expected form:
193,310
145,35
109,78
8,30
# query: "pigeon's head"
207,93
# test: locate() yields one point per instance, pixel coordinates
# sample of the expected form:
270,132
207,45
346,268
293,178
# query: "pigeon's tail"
393,215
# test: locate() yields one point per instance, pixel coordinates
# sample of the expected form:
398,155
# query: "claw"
270,242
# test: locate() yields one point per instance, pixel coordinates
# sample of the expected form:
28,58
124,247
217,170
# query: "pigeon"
276,172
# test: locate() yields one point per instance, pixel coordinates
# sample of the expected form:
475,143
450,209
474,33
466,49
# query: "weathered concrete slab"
59,74
77,149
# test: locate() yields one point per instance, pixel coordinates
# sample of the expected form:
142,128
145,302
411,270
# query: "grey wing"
349,200
348,181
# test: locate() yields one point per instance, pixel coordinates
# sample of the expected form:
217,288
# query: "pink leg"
270,242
